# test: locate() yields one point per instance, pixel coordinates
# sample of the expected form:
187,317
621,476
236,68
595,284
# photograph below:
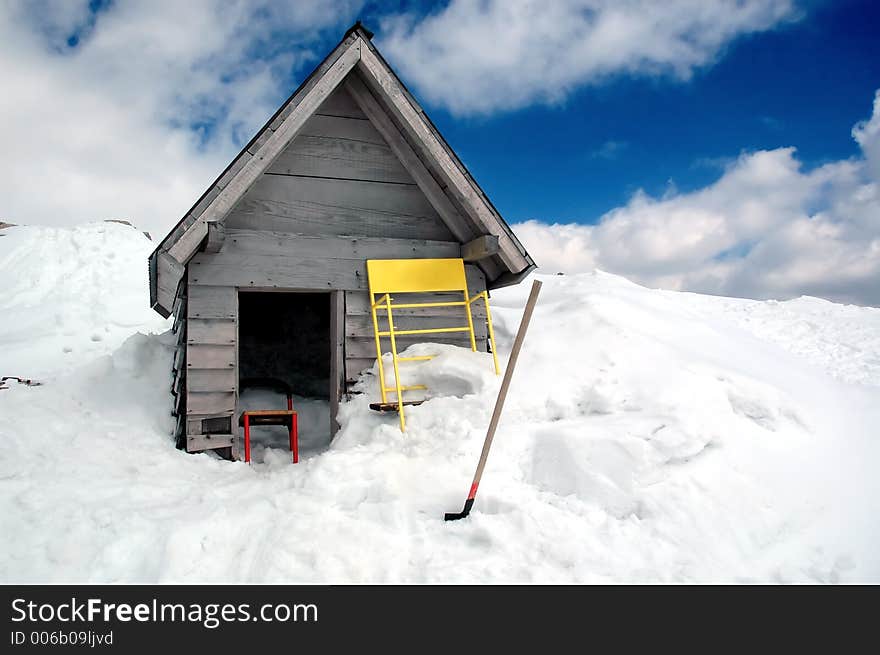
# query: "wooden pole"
499,403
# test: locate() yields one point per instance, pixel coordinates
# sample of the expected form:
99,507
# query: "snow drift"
648,436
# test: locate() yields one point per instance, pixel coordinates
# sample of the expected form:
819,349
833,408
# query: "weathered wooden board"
462,230
302,274
204,356
286,244
169,273
202,380
295,273
220,331
396,199
179,357
211,301
321,156
209,402
179,311
355,365
342,128
189,241
480,248
305,216
261,139
360,362
216,236
340,103
233,169
180,334
202,205
179,326
199,442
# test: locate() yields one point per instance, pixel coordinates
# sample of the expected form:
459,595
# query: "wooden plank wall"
251,258
339,177
178,367
236,266
334,198
211,367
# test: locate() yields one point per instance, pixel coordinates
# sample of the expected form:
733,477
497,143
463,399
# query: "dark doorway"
285,337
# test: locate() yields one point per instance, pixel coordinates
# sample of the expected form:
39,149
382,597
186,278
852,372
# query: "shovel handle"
502,395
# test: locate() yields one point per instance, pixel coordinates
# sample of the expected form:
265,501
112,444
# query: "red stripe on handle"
473,491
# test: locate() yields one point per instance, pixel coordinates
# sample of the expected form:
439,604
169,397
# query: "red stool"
285,417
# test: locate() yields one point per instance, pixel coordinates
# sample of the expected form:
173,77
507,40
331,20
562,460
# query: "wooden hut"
265,275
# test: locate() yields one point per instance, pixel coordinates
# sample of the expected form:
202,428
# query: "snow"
649,436
71,294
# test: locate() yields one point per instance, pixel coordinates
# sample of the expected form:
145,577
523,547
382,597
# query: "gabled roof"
356,64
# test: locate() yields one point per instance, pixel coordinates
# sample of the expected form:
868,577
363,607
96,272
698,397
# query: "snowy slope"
71,294
648,436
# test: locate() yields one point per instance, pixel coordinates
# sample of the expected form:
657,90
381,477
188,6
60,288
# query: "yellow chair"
394,276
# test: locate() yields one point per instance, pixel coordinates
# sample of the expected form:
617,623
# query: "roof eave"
509,279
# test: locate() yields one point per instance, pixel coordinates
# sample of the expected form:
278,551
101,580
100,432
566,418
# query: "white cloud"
115,127
765,229
867,134
506,54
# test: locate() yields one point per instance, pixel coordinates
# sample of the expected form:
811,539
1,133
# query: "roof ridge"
358,26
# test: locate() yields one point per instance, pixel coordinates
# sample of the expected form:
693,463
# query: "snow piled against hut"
648,436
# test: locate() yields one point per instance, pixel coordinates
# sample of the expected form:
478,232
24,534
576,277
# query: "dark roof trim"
509,279
358,27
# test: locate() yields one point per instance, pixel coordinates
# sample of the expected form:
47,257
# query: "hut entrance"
284,343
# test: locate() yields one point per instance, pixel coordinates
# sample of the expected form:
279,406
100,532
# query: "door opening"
284,341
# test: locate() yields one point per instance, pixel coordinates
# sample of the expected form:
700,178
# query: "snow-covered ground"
648,436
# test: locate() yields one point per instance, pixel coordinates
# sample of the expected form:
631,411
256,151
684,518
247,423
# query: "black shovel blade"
454,516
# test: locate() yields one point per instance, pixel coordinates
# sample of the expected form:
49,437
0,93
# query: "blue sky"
803,84
719,146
